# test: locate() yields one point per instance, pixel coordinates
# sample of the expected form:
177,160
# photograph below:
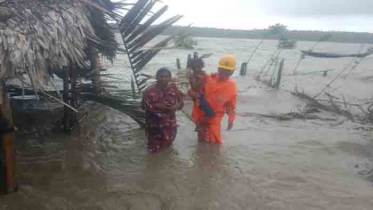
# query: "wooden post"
178,64
271,82
66,115
7,150
73,79
279,74
243,69
73,99
189,62
95,65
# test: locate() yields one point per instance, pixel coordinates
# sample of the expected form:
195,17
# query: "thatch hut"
37,36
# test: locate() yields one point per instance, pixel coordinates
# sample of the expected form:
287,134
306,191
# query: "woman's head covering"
161,71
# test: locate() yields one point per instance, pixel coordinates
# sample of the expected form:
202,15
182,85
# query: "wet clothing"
205,106
161,127
222,96
197,82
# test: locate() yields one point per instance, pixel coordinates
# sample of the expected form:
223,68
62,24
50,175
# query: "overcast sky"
326,15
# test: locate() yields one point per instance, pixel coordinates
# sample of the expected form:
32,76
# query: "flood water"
263,164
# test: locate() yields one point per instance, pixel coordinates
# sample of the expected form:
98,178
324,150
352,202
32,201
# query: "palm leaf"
132,14
133,88
135,36
145,60
152,33
123,104
141,28
139,18
143,87
154,50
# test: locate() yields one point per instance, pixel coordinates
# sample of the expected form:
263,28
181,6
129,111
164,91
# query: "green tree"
272,30
276,29
185,41
284,43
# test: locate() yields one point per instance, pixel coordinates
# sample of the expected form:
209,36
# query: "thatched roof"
37,35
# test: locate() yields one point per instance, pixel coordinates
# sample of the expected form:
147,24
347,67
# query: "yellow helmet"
228,62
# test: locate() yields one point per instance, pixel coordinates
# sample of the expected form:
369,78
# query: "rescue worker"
221,94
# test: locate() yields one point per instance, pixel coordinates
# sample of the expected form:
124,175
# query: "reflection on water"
207,157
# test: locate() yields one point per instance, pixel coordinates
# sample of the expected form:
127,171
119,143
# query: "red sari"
161,127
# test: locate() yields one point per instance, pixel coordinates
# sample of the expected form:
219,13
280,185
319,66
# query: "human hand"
194,95
161,106
175,107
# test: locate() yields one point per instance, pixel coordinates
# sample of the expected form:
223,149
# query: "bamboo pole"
267,63
96,65
298,64
73,99
270,81
7,150
279,75
339,74
256,49
66,121
303,56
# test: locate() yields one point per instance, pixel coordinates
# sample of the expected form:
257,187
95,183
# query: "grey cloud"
312,8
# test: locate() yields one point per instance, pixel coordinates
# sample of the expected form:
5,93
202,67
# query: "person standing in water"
161,101
220,93
197,81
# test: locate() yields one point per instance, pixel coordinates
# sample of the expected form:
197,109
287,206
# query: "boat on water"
334,55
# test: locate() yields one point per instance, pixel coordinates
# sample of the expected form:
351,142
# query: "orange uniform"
222,97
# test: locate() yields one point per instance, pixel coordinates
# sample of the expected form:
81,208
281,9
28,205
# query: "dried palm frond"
100,13
136,35
122,102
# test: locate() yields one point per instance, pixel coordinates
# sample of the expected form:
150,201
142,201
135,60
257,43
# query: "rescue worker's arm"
231,111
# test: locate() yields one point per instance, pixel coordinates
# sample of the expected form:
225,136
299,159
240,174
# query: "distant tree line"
336,36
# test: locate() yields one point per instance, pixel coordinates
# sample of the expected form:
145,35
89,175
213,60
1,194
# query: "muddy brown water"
263,163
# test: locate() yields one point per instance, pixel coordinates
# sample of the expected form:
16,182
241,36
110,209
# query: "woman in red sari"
161,101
